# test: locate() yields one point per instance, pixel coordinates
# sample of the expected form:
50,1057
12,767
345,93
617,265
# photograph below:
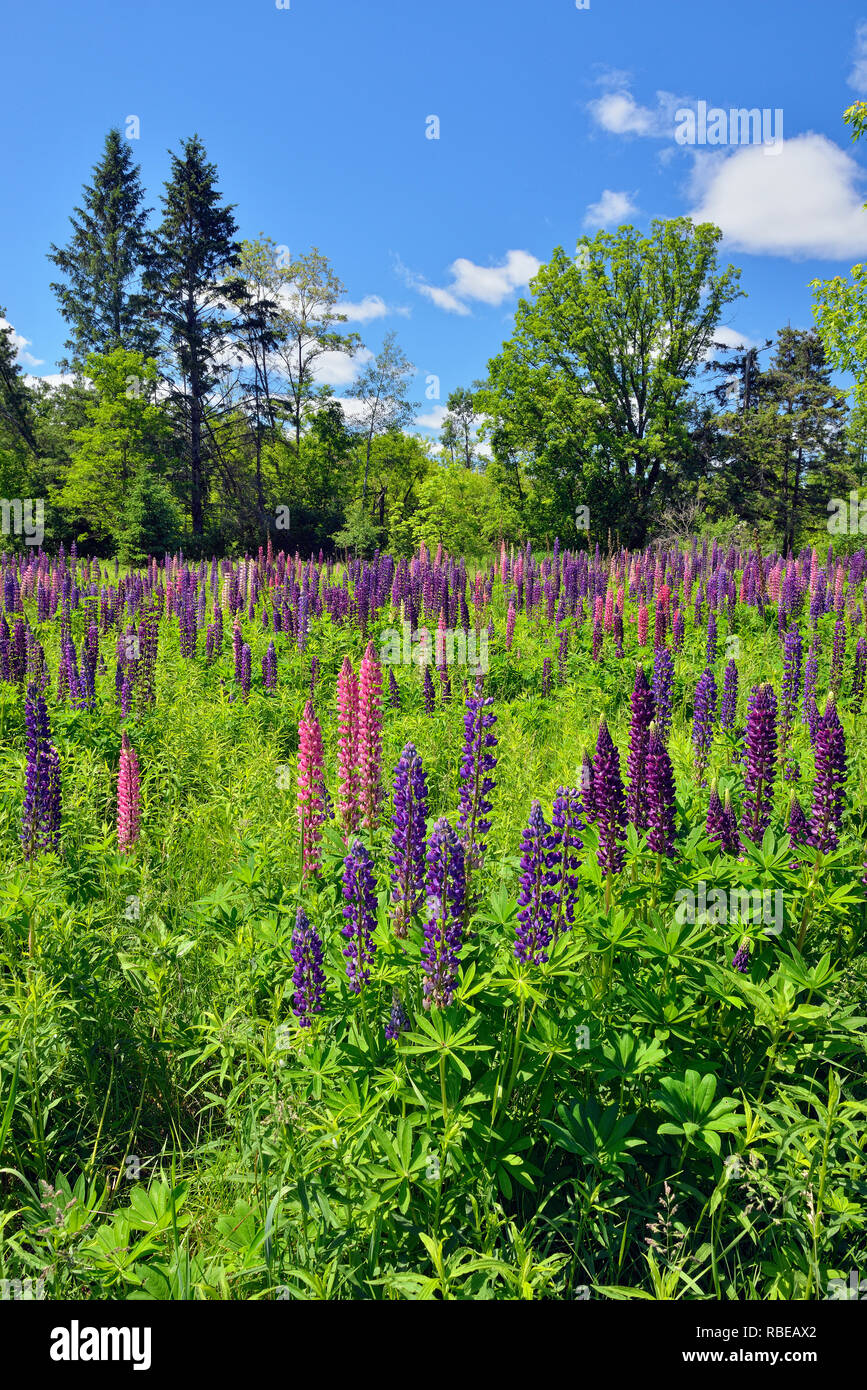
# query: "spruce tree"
15,399
194,252
101,298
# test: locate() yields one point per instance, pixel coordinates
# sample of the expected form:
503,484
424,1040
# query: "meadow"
331,974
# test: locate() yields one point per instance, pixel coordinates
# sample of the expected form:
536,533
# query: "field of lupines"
336,963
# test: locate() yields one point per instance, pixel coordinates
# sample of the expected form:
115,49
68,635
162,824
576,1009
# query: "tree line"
196,408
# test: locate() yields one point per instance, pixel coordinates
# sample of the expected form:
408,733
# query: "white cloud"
858,76
56,379
801,201
372,306
620,113
434,419
338,368
617,111
21,344
730,340
471,282
610,210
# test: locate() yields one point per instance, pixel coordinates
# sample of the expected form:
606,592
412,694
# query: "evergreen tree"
101,298
15,403
187,277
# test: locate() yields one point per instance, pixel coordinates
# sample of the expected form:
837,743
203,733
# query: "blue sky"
553,120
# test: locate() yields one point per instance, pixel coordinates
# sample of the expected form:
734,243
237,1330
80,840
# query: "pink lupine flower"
369,739
128,796
642,625
510,627
311,802
347,747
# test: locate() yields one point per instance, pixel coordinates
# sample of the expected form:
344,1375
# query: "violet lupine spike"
609,803
40,816
359,911
566,846
398,1021
663,680
245,671
128,796
587,797
393,690
741,959
269,668
429,693
311,814
761,762
536,895
370,739
729,703
643,711
704,718
660,797
308,977
859,670
829,788
408,840
793,650
477,766
811,675
445,888
797,828
715,823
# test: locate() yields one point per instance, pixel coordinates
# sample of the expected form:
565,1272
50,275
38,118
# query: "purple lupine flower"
731,842
663,680
445,887
393,691
711,639
399,1021
797,828
858,673
716,820
829,788
639,740
587,798
309,977
245,670
477,766
729,704
609,802
761,761
566,844
741,959
793,650
546,677
678,628
269,668
838,657
536,896
660,797
359,911
40,816
429,693
811,675
408,840
704,716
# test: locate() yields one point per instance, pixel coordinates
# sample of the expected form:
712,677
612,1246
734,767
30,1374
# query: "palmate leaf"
690,1103
598,1136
